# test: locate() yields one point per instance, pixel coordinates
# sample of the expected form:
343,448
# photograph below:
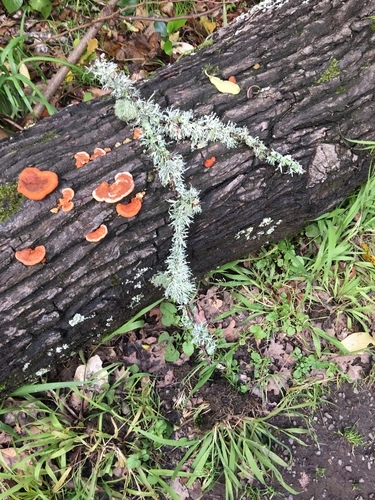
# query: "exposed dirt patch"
331,467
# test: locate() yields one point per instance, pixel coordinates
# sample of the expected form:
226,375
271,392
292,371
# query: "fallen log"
306,72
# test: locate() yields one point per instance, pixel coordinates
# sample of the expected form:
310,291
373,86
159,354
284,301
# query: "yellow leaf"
25,72
69,77
92,45
358,341
368,257
224,86
208,25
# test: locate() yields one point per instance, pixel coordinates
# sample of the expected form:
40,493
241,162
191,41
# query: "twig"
74,57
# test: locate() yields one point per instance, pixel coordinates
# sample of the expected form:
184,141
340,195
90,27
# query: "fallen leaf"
345,362
168,379
229,333
367,256
224,86
358,341
181,48
93,367
304,480
208,25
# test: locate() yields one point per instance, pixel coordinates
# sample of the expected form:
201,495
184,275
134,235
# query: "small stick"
59,77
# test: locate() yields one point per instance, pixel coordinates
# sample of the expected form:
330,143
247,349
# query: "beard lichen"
10,201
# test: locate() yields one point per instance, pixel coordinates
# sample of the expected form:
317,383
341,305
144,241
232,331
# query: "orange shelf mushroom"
98,234
36,184
31,256
65,203
138,132
81,158
130,209
113,193
210,162
97,152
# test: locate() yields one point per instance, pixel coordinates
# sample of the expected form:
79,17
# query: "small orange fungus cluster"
113,193
36,184
31,256
210,162
82,157
65,203
232,79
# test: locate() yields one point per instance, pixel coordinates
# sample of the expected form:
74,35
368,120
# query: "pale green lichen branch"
157,125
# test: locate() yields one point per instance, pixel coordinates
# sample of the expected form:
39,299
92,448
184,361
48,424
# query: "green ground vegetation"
115,439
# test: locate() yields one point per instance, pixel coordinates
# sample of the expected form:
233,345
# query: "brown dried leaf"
346,363
229,333
304,480
168,379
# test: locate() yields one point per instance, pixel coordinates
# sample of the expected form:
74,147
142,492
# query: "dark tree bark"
299,114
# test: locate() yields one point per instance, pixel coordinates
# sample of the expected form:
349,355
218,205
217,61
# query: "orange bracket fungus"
81,158
113,193
98,234
138,132
130,209
98,152
65,203
210,162
35,184
31,256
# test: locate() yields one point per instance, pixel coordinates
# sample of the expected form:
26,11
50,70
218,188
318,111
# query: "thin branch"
73,58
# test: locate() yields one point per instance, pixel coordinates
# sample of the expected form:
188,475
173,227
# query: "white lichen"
266,222
244,232
136,299
42,371
77,318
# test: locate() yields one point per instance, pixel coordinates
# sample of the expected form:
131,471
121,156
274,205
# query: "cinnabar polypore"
65,203
113,193
98,152
31,256
98,234
210,162
36,184
130,209
81,158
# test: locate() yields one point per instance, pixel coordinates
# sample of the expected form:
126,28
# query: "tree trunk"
85,289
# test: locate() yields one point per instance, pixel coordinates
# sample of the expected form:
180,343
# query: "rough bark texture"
102,282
